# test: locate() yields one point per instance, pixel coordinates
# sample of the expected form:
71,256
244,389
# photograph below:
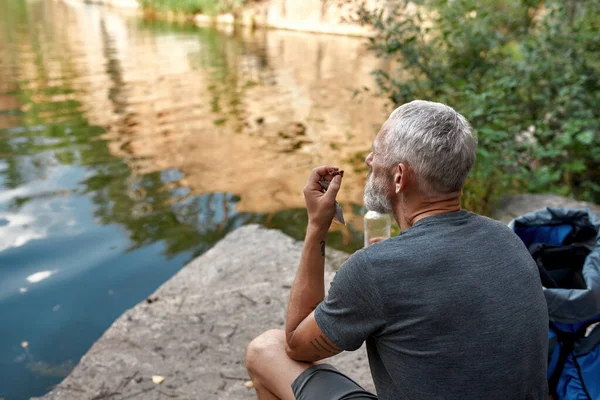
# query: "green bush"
209,7
526,74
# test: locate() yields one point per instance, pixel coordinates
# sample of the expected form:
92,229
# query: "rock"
196,334
511,207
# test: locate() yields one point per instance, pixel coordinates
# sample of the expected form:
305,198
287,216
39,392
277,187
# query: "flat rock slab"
512,207
194,329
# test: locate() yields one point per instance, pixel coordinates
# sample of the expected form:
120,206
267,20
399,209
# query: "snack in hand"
339,215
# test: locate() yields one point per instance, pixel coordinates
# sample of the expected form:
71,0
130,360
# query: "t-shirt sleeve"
352,310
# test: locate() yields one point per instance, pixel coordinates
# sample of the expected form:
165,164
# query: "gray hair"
436,141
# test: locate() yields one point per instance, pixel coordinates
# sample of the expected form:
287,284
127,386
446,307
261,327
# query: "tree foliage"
525,73
209,7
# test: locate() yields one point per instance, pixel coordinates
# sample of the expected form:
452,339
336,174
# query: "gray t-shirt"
452,308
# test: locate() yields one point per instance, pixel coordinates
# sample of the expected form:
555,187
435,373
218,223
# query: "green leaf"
586,137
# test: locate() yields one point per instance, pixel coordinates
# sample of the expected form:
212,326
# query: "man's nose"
369,159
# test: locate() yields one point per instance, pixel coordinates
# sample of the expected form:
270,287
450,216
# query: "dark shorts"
325,382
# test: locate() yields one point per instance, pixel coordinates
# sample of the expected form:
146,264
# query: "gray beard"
375,198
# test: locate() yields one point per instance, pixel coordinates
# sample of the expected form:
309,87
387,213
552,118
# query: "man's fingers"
334,187
321,172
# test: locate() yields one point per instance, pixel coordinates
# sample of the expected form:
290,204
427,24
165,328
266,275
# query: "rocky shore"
190,335
314,16
194,329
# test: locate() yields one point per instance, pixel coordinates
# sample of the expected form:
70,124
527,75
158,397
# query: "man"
452,308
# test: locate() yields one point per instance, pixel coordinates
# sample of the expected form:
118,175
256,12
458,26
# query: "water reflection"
40,276
242,113
126,148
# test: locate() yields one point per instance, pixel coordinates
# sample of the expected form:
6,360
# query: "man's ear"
401,177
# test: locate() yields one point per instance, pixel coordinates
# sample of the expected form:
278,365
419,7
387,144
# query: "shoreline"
257,16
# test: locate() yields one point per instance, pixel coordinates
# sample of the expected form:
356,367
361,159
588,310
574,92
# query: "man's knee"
264,347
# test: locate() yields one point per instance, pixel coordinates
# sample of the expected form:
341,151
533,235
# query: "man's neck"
409,212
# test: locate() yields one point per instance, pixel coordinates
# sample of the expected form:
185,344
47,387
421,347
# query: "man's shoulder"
480,221
489,221
378,250
358,259
494,225
362,263
419,241
380,258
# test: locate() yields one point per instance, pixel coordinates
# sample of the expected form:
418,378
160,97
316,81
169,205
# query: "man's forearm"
308,289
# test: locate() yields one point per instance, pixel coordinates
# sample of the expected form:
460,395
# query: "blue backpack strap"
586,359
567,341
553,352
567,344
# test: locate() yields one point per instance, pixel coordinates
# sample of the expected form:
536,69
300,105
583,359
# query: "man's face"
377,195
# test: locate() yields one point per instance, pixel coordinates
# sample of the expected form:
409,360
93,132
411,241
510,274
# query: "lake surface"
127,148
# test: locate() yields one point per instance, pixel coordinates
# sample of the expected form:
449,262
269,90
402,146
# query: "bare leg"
271,370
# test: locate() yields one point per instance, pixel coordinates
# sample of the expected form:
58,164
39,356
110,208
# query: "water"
127,148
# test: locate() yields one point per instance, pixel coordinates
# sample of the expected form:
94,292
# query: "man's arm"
309,342
305,340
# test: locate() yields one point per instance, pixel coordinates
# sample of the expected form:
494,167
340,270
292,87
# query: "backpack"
565,243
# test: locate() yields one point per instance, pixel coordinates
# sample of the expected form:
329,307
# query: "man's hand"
376,239
321,206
